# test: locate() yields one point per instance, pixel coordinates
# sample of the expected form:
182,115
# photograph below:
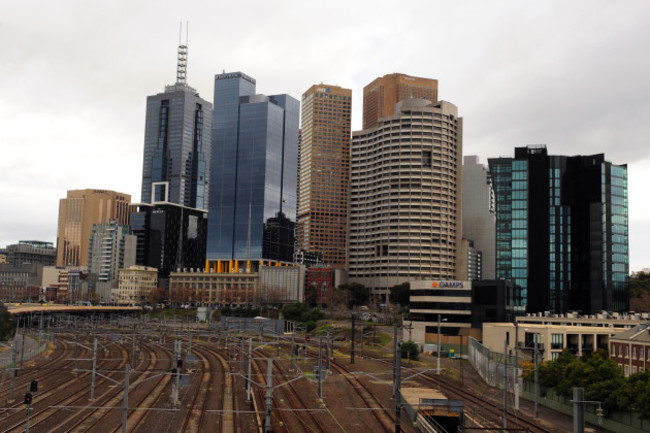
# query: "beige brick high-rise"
380,96
77,214
324,173
405,197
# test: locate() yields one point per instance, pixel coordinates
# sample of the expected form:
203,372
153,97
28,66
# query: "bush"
410,350
311,325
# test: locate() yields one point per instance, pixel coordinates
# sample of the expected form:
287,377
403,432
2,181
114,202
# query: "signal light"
179,363
28,398
174,371
33,387
308,338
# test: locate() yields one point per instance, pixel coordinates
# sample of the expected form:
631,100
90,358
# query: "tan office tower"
324,173
77,214
405,197
380,96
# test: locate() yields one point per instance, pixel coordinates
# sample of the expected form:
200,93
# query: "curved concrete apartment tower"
405,196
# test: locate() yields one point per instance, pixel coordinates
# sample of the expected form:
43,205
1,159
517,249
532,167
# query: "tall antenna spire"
181,69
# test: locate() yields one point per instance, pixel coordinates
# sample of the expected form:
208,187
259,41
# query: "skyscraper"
380,96
177,144
324,173
77,214
254,173
479,213
562,230
405,196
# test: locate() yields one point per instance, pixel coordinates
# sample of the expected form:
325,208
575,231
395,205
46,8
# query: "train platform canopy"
429,402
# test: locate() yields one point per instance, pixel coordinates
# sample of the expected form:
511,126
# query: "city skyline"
73,99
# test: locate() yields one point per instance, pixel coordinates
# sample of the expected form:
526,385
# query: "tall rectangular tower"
479,213
562,230
380,96
177,145
254,171
324,173
77,214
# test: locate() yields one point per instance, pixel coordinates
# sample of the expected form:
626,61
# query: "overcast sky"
75,76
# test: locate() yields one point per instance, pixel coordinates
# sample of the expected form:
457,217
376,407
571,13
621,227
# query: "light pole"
536,341
438,348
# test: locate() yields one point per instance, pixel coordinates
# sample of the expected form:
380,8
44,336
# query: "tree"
639,284
7,324
601,378
400,294
636,394
410,350
300,312
358,294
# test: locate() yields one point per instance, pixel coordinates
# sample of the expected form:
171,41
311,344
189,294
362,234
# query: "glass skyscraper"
562,231
252,209
177,145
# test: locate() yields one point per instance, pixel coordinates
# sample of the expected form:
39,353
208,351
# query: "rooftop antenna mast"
181,69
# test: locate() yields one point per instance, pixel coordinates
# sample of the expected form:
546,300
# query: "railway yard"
131,375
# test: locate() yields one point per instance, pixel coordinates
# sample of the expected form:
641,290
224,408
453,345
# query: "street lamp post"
536,341
438,348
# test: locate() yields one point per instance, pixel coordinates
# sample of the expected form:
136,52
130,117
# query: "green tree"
410,350
358,294
7,324
601,378
636,394
300,312
400,294
639,284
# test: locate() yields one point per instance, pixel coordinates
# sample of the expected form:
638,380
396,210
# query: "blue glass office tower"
562,231
177,148
254,170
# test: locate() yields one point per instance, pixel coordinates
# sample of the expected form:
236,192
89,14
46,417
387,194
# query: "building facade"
254,173
111,248
479,214
177,144
28,252
562,230
136,284
170,238
405,197
582,335
216,289
630,349
78,212
324,173
380,96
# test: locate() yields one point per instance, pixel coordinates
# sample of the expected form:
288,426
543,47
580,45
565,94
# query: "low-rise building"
235,289
631,349
582,335
136,284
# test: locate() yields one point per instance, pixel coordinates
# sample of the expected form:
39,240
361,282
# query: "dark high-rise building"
177,144
254,173
562,230
170,237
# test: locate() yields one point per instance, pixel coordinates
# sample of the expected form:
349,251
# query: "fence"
35,348
490,366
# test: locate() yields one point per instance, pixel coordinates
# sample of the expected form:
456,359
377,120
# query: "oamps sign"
450,284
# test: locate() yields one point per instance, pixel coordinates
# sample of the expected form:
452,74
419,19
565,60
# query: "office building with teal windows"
561,231
254,173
